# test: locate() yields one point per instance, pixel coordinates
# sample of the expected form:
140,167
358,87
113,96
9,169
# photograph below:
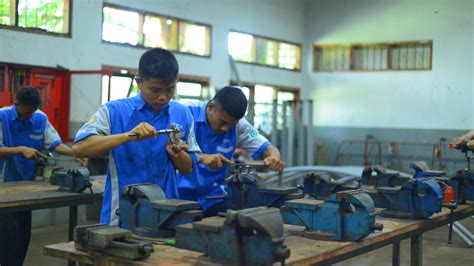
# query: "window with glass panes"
264,51
48,16
261,99
144,29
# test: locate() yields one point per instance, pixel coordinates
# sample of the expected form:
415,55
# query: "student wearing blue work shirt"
24,132
220,128
146,157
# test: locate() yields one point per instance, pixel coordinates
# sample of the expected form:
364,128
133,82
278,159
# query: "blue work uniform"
138,162
35,132
207,181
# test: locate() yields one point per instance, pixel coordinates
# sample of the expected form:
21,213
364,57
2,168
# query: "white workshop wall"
441,98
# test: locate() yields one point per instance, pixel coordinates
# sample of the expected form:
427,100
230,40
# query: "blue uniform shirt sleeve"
98,124
250,140
51,137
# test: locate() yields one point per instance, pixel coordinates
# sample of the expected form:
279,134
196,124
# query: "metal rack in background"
395,154
294,134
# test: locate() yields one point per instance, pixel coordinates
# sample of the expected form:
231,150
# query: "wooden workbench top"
34,194
303,251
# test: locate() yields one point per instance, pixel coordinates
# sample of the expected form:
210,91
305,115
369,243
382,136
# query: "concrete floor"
435,249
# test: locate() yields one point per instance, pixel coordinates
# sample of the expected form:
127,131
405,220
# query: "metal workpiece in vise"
146,211
463,180
74,179
345,215
246,189
110,240
247,237
320,185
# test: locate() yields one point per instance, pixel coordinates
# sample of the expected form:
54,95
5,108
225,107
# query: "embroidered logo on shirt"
254,133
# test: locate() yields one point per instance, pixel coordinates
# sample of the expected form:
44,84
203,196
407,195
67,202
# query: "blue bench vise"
246,237
74,179
346,215
418,198
145,210
245,189
463,180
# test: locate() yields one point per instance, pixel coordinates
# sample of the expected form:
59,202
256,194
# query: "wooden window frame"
142,14
388,45
270,39
328,46
38,30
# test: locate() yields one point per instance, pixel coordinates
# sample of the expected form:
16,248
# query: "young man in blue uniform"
24,132
127,130
220,128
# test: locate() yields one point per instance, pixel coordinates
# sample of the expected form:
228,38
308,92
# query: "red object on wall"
55,95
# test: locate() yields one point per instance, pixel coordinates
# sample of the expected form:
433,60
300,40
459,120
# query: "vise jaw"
145,210
321,185
110,240
71,180
248,190
377,176
246,237
346,215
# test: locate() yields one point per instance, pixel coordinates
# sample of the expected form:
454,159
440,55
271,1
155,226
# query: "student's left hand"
173,149
83,161
274,163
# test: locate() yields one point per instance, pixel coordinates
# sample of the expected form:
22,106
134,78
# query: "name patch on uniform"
36,137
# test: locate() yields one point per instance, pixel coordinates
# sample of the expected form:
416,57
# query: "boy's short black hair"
29,96
232,100
160,64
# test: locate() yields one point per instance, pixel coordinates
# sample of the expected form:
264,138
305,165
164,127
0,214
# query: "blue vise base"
145,210
418,198
345,215
246,237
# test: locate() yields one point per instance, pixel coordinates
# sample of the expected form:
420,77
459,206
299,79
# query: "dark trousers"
15,233
215,209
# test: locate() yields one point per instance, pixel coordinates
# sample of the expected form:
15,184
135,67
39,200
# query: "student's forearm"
469,135
182,162
6,152
271,151
98,145
64,149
